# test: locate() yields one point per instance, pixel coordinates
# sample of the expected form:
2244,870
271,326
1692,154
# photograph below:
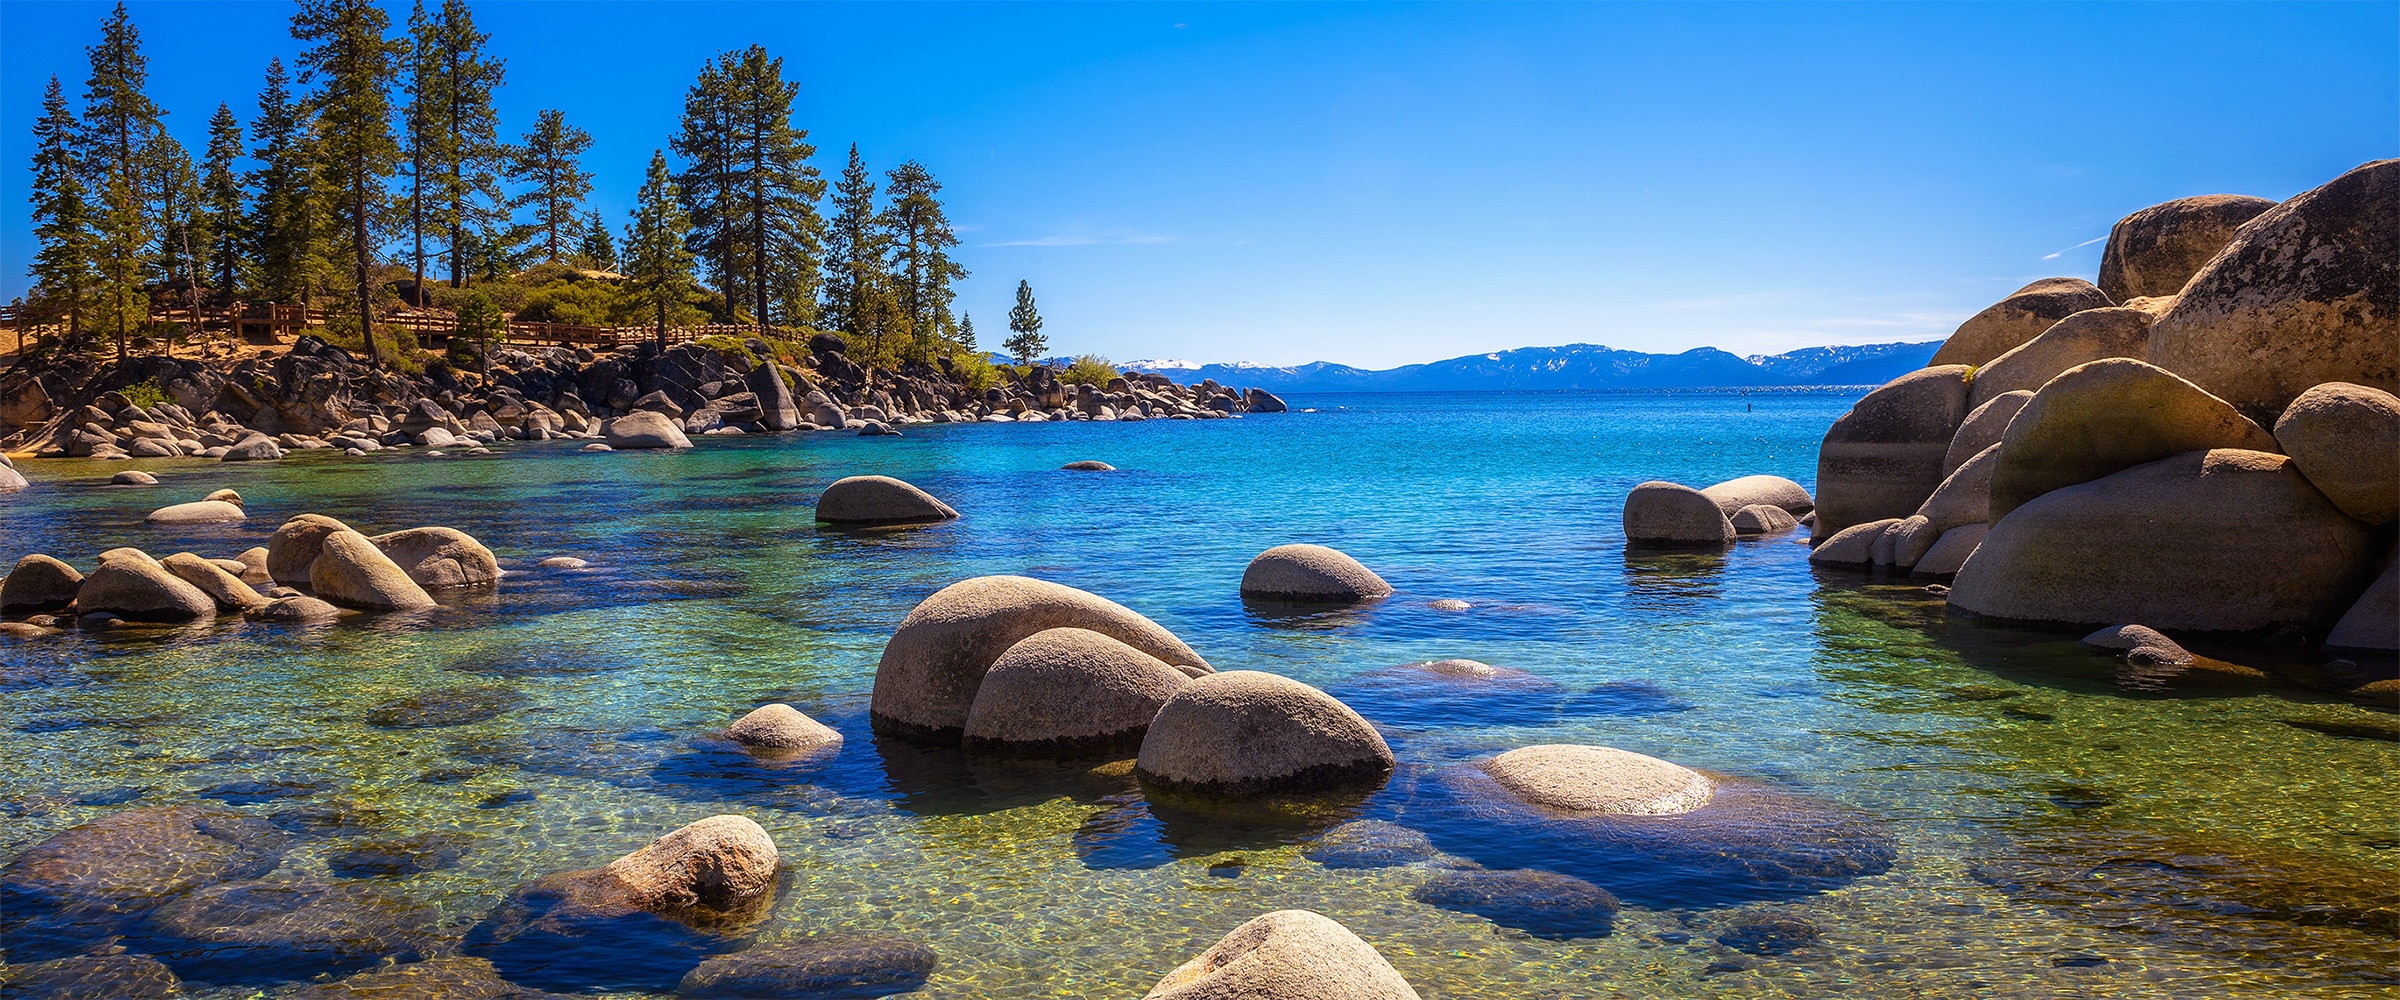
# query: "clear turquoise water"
711,590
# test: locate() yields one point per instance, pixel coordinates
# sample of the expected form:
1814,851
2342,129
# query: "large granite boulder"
2208,541
1311,573
1286,955
934,664
226,589
1983,428
644,429
350,571
2307,293
2020,317
1652,832
777,411
39,583
1775,491
2087,336
295,545
134,586
780,729
1762,520
262,931
1950,552
874,500
440,557
1660,514
2155,251
1245,732
2105,416
1069,691
89,882
2344,438
2374,621
1884,457
1965,497
198,512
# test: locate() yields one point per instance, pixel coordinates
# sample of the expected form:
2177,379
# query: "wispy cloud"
2078,246
1086,239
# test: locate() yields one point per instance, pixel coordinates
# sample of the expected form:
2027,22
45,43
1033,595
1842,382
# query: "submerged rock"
1296,954
260,931
831,966
448,977
1448,693
87,882
1068,691
406,856
1370,843
90,977
1311,573
1767,934
451,706
934,664
1543,904
879,500
1245,732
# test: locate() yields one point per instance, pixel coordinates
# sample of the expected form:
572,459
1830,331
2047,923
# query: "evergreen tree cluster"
375,175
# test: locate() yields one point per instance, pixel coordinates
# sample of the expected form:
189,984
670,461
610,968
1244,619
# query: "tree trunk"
758,232
660,336
358,220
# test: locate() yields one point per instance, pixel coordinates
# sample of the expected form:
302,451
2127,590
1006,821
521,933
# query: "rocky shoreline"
318,396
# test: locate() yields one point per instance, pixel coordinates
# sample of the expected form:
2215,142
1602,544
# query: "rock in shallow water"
1660,514
1370,843
829,967
1311,573
448,977
782,729
1294,954
1543,904
1068,691
39,583
351,570
1246,732
451,706
879,500
93,880
90,977
247,932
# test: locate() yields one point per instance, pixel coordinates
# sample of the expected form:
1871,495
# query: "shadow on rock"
1150,827
254,932
585,931
1543,904
831,967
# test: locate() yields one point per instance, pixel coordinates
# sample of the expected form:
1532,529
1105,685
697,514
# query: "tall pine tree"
921,240
658,261
598,249
750,189
1025,323
456,157
285,230
120,122
353,65
550,162
221,202
63,269
854,248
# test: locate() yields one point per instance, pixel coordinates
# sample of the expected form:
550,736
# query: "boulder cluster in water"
318,396
2204,442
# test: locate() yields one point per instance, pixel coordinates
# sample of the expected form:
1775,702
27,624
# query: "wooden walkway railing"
269,323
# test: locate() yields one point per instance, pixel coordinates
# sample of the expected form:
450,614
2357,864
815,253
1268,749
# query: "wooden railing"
432,328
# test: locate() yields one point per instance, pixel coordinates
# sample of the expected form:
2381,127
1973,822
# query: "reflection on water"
2039,825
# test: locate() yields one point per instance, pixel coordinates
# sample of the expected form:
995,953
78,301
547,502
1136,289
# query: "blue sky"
1384,184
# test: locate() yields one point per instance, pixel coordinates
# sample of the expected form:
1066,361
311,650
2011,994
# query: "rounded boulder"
2344,438
198,512
1983,428
1660,514
2106,416
1068,691
718,862
1295,954
1245,732
226,589
926,682
2020,317
134,586
1774,491
39,583
1762,520
440,557
295,545
2156,250
1311,573
2085,337
644,429
1594,779
2306,293
780,728
349,570
2208,541
1884,457
874,500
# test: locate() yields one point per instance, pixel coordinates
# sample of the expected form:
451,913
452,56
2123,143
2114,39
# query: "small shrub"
1089,369
144,394
974,371
731,347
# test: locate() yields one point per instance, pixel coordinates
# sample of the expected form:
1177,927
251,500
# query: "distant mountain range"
1575,366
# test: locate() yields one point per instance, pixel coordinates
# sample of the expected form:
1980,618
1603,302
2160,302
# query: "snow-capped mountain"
1574,366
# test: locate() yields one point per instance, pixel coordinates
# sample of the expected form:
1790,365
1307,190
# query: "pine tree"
455,153
551,161
120,122
181,236
353,65
221,201
749,187
658,259
598,248
62,267
854,248
921,239
963,341
285,227
1026,324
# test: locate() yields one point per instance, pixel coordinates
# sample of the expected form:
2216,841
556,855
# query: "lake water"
2062,829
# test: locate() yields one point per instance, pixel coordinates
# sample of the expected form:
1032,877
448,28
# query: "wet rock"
448,977
644,429
1370,843
1245,732
1762,521
1884,457
781,729
1853,546
2305,294
1068,691
133,477
1543,904
926,683
1626,698
227,590
2139,644
877,500
406,856
2158,249
2343,437
135,587
2020,317
1767,934
2105,417
1295,954
451,706
2247,543
1088,466
1591,779
90,977
296,608
440,557
831,966
87,882
198,512
1448,693
246,932
39,583
1661,514
1774,491
350,570
1312,573
250,791
296,545
562,562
